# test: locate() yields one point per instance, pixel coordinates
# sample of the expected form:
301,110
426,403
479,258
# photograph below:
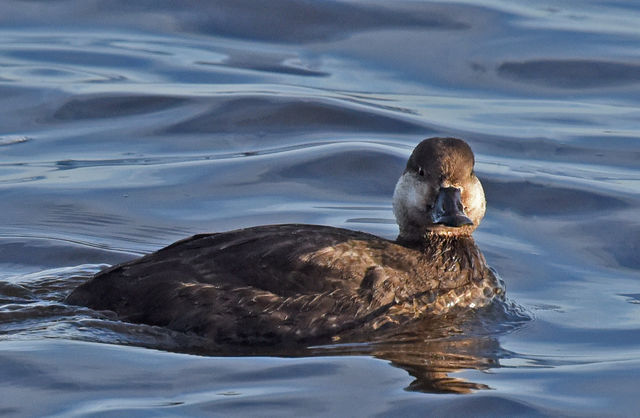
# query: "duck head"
438,191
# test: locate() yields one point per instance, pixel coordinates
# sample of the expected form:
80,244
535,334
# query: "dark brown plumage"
282,284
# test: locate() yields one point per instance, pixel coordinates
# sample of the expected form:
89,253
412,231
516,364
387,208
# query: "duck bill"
448,210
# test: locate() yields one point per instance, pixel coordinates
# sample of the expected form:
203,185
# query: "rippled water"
125,126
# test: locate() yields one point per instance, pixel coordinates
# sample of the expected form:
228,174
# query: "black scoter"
298,283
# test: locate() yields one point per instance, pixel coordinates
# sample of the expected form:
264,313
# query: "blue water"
125,126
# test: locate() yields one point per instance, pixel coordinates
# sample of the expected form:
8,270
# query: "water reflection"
431,360
432,352
429,351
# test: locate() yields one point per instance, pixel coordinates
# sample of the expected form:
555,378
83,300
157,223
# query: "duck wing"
260,285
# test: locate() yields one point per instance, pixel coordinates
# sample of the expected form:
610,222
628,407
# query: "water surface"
128,125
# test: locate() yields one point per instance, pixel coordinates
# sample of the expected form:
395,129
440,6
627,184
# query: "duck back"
279,283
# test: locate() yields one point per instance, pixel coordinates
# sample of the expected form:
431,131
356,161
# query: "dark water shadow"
291,21
572,73
277,114
284,21
267,63
531,199
633,298
98,107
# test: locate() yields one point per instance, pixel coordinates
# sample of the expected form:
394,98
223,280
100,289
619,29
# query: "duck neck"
450,251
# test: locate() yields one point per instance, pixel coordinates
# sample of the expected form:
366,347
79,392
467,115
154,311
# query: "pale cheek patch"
476,204
411,195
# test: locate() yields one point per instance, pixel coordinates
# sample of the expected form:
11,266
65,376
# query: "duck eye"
420,171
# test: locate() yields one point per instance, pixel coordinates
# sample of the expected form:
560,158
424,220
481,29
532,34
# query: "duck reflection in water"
298,285
431,350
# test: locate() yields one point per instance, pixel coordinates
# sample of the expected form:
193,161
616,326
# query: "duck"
299,283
